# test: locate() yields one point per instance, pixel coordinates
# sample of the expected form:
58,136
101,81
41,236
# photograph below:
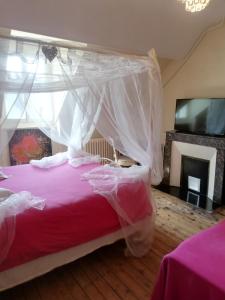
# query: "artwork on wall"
27,144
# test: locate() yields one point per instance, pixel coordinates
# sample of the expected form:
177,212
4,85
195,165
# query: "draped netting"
10,206
69,93
112,182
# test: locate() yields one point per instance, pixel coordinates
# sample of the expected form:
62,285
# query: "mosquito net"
68,94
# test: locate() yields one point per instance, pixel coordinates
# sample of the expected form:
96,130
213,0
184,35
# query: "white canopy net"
70,93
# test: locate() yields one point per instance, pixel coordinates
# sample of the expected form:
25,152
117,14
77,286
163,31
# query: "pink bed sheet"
73,214
196,269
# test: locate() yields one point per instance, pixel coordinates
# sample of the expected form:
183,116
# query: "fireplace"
194,168
194,181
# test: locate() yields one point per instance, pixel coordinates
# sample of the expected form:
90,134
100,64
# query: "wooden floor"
107,273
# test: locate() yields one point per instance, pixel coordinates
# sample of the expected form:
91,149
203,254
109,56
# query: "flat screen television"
201,116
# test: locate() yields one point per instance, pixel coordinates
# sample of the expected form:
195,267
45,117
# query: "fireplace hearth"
194,168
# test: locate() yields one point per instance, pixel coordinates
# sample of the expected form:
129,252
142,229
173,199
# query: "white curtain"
82,91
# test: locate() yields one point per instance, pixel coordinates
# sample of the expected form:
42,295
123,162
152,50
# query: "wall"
203,75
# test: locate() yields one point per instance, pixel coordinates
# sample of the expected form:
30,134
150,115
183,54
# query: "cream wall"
203,75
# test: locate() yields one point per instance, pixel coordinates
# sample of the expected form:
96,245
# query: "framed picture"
27,144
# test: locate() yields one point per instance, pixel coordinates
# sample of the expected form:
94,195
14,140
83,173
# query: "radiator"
99,146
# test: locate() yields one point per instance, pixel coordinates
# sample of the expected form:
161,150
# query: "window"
46,106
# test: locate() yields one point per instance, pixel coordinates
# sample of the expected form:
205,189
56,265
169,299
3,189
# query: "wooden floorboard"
107,274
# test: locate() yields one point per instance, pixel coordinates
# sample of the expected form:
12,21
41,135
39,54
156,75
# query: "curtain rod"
69,45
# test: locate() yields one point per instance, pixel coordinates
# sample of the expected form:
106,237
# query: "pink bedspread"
196,269
74,214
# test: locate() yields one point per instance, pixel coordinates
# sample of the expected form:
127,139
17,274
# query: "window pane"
12,110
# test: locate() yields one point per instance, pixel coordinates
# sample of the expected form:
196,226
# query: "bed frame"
45,264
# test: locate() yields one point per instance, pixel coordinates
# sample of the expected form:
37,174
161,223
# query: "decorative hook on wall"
50,52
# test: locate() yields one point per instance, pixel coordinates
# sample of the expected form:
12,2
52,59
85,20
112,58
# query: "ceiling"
131,26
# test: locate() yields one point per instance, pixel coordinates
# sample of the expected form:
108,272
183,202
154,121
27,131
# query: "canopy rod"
72,45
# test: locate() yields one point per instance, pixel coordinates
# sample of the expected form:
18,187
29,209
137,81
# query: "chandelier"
195,5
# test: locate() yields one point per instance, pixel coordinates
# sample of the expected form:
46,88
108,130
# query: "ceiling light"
195,5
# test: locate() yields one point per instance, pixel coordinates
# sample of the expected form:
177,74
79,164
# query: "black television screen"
201,116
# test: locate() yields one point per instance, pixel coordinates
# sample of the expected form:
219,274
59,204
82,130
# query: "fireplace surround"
211,149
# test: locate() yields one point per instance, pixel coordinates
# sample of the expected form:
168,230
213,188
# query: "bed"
74,222
196,269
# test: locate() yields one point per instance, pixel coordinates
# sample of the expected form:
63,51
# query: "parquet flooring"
107,274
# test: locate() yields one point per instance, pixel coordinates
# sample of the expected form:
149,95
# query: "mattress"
73,213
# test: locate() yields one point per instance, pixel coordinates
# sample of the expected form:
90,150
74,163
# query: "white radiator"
99,146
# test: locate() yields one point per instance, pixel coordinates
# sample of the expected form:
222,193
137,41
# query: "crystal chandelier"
195,5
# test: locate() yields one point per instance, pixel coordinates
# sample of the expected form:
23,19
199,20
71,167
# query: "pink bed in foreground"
196,269
73,213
